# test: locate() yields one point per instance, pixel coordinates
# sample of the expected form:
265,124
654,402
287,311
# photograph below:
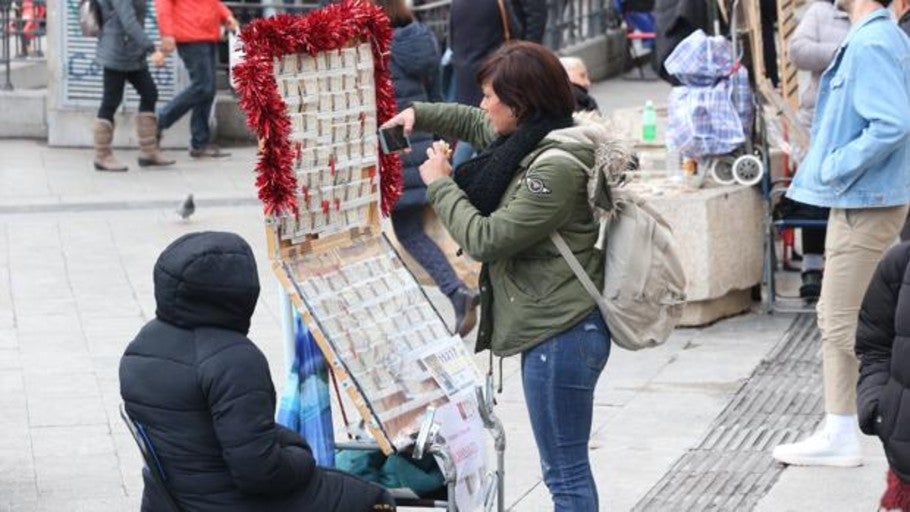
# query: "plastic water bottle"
649,123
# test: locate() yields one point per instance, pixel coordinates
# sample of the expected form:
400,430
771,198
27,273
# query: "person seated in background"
578,77
881,335
203,392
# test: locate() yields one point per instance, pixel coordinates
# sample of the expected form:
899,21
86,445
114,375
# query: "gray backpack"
644,288
90,18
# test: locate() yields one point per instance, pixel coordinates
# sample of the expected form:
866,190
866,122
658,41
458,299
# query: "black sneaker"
208,151
465,302
812,285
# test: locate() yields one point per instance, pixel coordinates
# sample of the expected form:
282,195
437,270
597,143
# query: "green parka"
528,292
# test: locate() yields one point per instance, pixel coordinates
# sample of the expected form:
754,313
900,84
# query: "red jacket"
191,21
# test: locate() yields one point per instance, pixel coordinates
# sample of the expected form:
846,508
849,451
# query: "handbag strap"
579,272
504,17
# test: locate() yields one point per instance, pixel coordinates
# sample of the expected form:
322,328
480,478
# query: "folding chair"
152,464
775,302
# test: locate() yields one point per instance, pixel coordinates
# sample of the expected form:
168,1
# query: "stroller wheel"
721,170
748,170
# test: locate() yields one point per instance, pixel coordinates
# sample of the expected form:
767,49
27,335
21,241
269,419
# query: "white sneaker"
822,448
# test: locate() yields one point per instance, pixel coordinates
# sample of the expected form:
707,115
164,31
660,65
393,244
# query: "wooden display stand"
365,310
315,88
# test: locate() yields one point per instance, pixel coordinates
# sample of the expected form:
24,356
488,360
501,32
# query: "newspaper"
462,428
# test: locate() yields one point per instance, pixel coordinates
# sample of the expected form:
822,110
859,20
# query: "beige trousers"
856,242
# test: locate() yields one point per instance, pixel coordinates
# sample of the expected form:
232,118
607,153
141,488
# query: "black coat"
475,31
204,393
415,75
533,17
883,347
674,20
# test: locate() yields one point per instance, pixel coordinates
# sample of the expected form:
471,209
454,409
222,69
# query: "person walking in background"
415,76
883,349
578,79
122,51
204,395
501,208
476,30
193,27
812,48
857,165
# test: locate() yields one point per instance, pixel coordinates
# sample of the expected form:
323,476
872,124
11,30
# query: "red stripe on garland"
332,27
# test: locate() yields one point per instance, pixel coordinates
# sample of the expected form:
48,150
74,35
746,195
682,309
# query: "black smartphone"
393,139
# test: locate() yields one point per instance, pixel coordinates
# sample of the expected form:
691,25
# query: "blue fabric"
860,156
305,404
559,376
199,60
463,152
408,226
415,76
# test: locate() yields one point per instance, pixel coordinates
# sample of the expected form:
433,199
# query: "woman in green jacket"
501,207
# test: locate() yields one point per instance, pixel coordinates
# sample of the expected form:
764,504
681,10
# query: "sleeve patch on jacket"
537,186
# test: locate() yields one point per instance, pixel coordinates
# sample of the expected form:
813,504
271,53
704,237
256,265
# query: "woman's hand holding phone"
405,119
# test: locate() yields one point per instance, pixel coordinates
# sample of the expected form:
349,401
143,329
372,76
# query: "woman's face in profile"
499,114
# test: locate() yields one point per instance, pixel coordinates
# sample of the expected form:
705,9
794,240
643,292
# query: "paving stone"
64,385
94,476
70,411
72,441
8,338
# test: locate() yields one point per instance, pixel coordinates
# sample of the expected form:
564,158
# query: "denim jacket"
860,151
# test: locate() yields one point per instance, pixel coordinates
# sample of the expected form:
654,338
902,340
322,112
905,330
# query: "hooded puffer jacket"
415,71
204,394
883,348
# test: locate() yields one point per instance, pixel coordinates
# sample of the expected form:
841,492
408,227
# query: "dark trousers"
199,60
112,92
408,226
813,240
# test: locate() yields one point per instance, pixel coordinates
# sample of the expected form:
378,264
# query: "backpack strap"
579,272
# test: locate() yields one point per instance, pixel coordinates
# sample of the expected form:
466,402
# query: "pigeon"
186,208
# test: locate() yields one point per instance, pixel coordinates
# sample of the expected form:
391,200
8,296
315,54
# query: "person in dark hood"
415,76
882,336
203,392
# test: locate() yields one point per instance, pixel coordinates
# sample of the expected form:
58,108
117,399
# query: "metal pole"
4,30
288,331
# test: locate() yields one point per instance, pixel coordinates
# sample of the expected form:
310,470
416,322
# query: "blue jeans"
463,152
199,60
559,377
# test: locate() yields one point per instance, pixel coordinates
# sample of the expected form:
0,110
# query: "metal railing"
569,22
23,26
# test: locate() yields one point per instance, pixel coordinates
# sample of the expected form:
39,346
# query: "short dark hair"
529,78
397,11
885,3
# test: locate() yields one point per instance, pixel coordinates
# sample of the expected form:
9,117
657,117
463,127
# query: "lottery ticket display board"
391,352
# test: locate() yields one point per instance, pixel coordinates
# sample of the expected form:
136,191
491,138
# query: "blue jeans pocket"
594,342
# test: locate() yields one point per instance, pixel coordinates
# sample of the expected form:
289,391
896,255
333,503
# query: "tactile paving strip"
731,469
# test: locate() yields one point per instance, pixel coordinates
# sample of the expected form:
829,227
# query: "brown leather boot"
147,131
103,132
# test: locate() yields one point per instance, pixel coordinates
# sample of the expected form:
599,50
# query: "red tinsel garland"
332,27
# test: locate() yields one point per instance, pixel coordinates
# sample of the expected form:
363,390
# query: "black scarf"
486,177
